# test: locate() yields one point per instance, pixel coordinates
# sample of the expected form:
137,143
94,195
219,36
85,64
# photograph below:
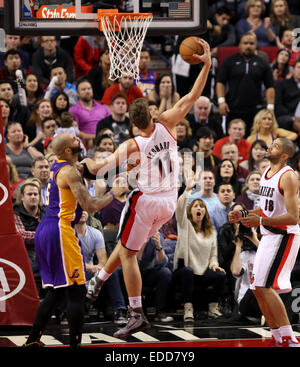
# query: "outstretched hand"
205,57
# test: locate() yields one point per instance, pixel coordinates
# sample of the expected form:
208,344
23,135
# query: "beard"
248,52
86,98
76,150
272,158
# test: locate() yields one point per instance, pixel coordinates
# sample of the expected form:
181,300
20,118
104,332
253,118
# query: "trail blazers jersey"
159,165
272,200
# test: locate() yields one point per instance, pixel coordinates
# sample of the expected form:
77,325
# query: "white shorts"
274,262
143,215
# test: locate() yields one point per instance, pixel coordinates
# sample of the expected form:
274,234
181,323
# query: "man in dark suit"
202,117
288,98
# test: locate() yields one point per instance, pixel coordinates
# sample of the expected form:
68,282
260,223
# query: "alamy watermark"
296,42
159,169
296,300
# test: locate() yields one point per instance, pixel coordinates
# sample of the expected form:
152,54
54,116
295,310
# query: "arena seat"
271,51
226,51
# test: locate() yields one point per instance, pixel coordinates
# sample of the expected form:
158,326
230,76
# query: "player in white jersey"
154,202
278,218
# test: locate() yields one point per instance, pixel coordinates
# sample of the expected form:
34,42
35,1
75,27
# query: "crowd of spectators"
250,100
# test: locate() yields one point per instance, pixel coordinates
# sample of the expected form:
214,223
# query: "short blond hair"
31,181
236,121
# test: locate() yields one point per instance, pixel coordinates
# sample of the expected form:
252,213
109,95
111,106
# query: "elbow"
235,272
88,207
293,219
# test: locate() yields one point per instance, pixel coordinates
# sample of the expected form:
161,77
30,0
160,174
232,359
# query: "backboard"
79,17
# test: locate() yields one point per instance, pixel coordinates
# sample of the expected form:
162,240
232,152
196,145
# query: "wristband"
158,249
270,106
221,100
244,213
112,194
87,174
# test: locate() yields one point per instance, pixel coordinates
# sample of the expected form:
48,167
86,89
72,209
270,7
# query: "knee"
187,273
127,255
219,276
165,274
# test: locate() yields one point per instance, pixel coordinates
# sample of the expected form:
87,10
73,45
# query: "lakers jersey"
61,203
159,166
58,250
272,199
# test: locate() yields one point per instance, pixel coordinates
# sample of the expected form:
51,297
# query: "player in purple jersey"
58,249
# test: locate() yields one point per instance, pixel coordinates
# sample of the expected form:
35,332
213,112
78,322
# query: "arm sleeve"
87,174
98,239
181,215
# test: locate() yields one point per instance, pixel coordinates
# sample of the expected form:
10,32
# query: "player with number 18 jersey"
272,200
279,245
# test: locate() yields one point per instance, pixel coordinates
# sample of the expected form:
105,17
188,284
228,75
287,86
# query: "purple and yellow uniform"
58,250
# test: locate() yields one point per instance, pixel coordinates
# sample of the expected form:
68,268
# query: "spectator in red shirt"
86,54
236,133
286,41
125,85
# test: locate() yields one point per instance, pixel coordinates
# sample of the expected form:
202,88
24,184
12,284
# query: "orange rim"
112,14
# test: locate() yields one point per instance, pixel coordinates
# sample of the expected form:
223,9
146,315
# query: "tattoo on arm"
81,193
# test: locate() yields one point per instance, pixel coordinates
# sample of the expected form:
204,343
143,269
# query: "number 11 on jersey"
164,164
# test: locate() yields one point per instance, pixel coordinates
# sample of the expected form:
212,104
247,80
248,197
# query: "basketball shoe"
35,344
136,322
288,342
275,343
94,286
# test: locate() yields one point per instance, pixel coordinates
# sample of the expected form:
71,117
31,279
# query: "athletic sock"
103,275
287,330
135,302
276,335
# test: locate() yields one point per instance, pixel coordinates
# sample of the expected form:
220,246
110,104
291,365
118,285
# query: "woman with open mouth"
196,255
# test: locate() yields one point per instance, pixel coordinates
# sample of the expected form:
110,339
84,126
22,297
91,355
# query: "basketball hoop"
125,34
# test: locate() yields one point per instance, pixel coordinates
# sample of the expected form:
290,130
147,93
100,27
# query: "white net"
125,37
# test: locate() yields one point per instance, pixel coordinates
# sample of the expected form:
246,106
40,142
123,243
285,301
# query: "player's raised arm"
125,151
172,116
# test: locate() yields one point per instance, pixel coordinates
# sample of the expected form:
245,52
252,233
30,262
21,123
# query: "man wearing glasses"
49,56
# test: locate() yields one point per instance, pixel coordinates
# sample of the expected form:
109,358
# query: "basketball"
188,47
